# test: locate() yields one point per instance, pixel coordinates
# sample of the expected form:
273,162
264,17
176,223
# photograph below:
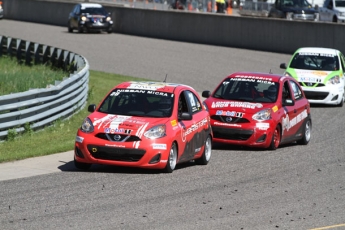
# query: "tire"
70,29
276,138
206,155
335,19
80,165
306,133
342,101
80,30
172,159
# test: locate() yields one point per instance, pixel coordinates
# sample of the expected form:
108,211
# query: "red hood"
107,123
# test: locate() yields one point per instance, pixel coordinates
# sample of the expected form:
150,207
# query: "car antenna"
165,80
270,71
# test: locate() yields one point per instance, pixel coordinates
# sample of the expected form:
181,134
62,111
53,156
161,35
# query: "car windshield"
248,88
340,3
134,102
315,61
94,10
296,3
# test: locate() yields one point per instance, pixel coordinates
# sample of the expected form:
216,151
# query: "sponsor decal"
117,130
288,124
227,124
79,139
118,91
159,146
193,128
262,126
149,85
118,146
197,150
173,123
229,113
316,54
237,104
275,108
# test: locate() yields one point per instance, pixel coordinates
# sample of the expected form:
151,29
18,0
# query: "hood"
108,123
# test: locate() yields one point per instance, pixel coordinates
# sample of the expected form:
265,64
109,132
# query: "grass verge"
61,135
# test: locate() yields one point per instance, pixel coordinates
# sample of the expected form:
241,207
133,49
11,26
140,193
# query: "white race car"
320,72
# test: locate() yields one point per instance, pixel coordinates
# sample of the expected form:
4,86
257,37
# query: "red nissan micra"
259,110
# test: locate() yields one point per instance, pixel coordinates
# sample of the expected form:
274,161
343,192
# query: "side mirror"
288,102
91,108
283,66
185,116
206,94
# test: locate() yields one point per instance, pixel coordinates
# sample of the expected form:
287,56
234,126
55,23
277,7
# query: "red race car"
147,125
259,110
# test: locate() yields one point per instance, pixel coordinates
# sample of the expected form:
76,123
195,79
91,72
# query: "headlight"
108,19
87,126
155,132
83,18
334,80
342,14
263,115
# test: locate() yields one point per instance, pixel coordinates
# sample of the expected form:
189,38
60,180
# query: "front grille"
311,84
233,119
232,134
114,137
116,154
315,95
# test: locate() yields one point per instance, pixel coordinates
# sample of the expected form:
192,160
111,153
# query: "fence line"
41,107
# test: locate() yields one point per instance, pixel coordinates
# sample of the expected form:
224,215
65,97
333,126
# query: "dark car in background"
88,17
294,10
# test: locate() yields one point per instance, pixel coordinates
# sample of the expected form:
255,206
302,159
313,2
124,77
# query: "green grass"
19,78
60,136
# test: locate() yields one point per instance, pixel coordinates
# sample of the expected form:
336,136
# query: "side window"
194,102
182,104
286,91
296,90
342,61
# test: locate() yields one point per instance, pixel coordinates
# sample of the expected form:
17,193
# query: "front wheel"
276,137
306,133
206,156
70,29
172,159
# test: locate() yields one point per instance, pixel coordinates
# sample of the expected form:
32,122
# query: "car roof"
150,85
258,75
317,50
90,5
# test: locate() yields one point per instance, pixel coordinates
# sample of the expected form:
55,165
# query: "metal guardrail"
41,107
255,8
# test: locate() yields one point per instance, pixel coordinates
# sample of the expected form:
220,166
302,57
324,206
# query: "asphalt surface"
294,187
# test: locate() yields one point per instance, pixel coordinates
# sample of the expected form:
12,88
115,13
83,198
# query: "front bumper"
107,26
253,135
92,150
331,95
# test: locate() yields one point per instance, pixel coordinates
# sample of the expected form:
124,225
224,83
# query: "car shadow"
98,168
223,146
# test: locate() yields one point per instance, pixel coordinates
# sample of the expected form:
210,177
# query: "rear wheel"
276,137
206,156
80,165
306,133
172,159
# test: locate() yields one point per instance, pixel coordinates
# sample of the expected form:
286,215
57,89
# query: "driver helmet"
272,92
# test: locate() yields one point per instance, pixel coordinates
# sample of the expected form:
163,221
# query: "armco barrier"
41,107
274,35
